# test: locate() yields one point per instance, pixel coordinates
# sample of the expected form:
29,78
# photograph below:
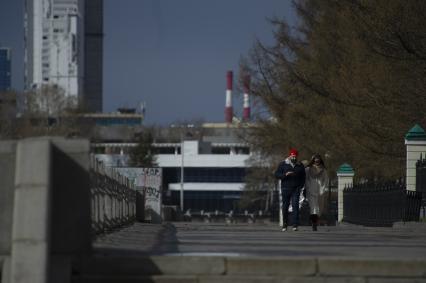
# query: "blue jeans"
293,195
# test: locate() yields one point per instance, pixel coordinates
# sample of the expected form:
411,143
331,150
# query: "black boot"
314,221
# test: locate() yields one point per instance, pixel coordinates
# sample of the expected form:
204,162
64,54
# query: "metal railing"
380,204
113,199
228,217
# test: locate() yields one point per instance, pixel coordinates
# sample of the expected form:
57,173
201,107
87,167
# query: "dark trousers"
293,195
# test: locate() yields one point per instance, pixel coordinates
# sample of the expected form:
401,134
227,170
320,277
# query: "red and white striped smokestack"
228,104
246,106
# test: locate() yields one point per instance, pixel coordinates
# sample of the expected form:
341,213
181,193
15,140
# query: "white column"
345,177
415,141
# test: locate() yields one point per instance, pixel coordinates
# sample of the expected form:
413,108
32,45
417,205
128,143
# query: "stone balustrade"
113,199
52,203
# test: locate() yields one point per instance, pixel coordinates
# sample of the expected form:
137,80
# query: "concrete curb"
270,266
370,267
253,269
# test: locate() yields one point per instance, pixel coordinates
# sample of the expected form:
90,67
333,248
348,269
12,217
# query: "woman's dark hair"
316,156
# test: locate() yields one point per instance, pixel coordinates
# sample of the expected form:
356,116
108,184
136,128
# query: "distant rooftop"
123,116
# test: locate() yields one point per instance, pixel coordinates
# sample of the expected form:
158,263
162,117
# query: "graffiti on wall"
148,182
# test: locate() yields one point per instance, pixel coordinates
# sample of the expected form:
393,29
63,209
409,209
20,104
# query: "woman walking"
315,186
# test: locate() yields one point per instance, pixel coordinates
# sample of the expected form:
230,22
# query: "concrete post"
345,177
415,141
51,200
32,213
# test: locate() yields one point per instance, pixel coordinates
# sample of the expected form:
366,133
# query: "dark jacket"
296,180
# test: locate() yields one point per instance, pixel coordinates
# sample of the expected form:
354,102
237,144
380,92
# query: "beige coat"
316,185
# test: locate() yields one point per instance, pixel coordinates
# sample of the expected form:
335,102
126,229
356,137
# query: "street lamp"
181,171
183,129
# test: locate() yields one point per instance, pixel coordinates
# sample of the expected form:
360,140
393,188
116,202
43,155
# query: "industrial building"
213,166
204,166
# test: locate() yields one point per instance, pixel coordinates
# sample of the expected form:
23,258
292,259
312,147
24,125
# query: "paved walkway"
188,238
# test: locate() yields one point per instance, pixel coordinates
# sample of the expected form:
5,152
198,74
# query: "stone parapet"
45,220
7,188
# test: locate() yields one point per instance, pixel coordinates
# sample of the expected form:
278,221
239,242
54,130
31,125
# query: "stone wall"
45,208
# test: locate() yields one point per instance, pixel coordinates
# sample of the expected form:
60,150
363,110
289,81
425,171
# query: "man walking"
292,175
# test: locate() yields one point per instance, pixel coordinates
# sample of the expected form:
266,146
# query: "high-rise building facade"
55,34
93,50
5,69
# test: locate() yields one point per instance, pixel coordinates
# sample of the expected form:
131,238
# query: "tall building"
93,50
55,34
5,69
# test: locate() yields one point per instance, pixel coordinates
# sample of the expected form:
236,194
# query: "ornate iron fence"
380,204
421,182
113,199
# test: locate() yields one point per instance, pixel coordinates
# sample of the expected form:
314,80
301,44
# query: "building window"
221,150
242,150
164,150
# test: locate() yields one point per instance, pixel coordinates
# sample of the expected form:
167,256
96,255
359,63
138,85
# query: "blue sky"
172,54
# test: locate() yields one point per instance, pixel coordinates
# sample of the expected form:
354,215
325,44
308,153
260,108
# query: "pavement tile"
344,241
152,265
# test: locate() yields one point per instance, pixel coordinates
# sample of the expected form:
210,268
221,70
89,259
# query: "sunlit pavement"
404,241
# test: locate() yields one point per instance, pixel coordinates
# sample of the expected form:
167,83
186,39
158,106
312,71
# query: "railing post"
415,141
345,176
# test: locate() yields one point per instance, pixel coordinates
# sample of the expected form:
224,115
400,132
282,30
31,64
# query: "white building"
54,44
213,173
214,167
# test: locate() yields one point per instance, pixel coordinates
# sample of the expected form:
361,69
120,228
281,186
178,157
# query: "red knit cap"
293,152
